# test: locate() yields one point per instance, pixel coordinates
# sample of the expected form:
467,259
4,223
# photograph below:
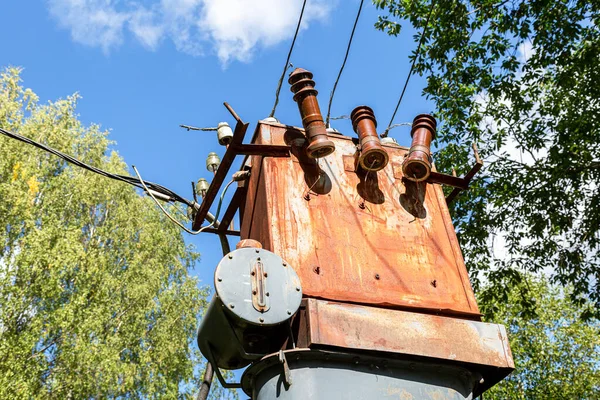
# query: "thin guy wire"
171,217
389,128
340,117
287,61
343,64
385,133
123,178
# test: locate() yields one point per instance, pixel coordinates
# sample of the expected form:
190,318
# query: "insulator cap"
212,162
305,94
373,156
202,187
224,133
417,165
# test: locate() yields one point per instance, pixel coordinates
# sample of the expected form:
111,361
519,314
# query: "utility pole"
348,282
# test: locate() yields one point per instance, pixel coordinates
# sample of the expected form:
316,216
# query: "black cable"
343,64
385,133
287,61
123,178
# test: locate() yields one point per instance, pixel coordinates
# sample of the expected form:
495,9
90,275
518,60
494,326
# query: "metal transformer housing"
239,326
351,376
233,285
372,238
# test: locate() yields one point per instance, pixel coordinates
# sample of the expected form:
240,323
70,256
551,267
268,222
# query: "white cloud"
238,26
231,29
91,22
145,28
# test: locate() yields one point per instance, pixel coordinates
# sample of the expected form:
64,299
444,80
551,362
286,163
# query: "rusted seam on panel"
441,312
503,339
453,243
255,196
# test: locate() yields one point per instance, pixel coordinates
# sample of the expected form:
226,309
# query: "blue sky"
144,67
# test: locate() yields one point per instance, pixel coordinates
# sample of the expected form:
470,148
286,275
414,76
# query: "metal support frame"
235,148
475,169
459,184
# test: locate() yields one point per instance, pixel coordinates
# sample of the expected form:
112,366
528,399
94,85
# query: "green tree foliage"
95,296
557,355
520,78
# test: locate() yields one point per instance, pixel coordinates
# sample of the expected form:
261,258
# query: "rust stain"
375,329
403,234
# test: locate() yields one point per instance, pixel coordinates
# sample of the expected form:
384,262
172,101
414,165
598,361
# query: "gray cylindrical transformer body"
325,376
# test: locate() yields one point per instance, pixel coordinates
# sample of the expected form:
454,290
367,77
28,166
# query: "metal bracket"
459,184
227,385
474,170
287,375
235,148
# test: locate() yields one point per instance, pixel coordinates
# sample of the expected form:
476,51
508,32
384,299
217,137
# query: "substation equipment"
348,281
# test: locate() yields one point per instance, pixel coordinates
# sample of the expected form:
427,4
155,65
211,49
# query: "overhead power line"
385,133
179,224
287,61
344,63
150,187
398,125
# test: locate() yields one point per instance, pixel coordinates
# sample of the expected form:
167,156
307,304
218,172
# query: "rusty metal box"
368,238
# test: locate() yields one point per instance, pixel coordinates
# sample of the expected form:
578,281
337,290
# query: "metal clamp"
287,375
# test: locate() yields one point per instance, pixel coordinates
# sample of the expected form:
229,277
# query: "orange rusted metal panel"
478,346
370,238
358,327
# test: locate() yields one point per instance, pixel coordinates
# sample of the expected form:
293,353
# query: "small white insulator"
212,162
202,187
271,119
224,133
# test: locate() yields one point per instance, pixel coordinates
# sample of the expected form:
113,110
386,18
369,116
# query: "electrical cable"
340,117
343,64
172,218
287,61
169,194
385,133
389,128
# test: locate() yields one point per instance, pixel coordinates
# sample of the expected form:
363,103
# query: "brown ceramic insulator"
372,155
305,95
417,165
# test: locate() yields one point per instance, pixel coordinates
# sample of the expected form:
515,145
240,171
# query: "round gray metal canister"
257,293
320,375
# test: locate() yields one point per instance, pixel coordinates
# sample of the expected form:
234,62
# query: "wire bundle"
167,193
